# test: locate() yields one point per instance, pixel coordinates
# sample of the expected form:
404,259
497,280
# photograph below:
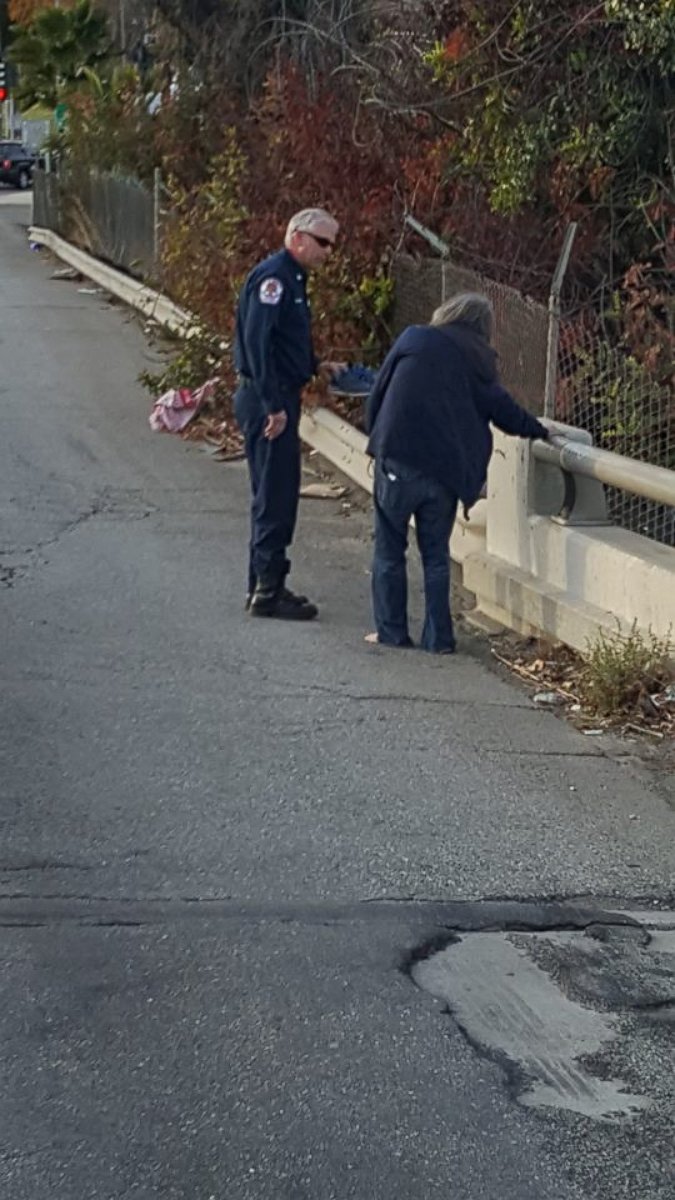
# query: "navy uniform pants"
399,494
274,471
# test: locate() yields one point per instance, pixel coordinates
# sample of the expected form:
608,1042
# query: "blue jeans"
400,493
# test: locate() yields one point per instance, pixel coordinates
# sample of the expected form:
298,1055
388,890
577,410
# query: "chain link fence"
110,216
47,201
521,325
599,387
604,389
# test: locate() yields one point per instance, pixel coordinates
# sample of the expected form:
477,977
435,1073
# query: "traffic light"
3,82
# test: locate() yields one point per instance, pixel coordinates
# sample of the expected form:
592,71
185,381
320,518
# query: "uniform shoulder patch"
271,291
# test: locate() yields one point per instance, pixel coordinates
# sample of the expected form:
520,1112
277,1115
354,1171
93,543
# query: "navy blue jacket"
432,403
273,345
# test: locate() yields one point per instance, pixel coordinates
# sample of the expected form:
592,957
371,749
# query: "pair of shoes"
354,380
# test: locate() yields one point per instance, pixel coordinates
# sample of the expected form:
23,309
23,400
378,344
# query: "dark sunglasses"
320,241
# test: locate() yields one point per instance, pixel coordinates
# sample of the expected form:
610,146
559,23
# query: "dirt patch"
555,675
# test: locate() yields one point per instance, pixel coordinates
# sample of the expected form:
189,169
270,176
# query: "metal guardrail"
153,304
642,479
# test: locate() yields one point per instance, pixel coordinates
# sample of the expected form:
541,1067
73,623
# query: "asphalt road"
223,842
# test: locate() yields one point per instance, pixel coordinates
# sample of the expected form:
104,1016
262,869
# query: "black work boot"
272,600
285,592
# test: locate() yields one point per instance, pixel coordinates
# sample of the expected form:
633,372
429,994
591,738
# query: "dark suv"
16,164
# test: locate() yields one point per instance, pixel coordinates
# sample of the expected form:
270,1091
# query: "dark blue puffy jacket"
432,403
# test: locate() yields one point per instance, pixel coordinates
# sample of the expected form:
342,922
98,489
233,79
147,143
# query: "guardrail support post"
560,493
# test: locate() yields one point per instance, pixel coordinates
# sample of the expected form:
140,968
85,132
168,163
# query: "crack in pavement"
652,1005
101,506
447,918
74,523
509,1009
43,864
305,693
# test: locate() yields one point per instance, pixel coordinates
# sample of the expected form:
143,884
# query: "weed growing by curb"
623,670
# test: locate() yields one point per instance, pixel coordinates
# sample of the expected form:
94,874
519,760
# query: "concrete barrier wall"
529,569
539,573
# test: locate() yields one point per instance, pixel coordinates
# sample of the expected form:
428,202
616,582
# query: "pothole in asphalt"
565,1012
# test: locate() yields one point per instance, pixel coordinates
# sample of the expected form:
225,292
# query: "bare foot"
372,639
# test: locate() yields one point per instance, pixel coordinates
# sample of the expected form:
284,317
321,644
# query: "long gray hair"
471,308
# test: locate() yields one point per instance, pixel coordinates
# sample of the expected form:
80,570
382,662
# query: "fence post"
429,236
438,244
554,322
157,215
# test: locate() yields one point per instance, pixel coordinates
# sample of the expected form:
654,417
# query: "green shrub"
622,668
191,361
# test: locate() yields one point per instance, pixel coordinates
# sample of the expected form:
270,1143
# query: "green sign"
60,115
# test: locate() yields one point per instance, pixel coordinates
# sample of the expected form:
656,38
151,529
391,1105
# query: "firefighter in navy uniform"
274,359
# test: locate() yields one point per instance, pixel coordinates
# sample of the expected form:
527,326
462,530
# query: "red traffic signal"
3,94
